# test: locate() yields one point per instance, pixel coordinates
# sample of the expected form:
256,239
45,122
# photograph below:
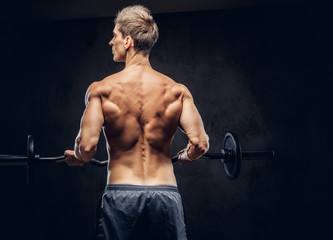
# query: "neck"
136,59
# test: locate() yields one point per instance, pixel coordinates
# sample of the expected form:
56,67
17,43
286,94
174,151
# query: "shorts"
140,212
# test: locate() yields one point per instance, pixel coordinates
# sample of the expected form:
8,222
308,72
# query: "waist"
150,173
129,187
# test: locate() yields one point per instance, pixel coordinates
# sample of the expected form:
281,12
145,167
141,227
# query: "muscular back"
141,109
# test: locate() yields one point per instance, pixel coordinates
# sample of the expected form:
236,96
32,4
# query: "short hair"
137,22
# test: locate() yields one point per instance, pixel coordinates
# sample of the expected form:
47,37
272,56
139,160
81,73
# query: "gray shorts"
140,212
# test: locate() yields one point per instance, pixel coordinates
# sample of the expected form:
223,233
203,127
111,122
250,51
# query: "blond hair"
137,22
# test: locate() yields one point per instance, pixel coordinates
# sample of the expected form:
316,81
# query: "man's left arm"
91,125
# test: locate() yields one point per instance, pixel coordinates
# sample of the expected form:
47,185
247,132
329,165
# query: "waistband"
125,187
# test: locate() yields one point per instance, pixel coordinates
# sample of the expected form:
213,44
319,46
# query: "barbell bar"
231,156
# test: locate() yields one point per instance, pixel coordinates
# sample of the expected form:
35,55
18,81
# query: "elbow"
87,152
206,144
202,145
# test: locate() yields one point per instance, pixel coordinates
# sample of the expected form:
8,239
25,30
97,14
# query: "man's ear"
128,42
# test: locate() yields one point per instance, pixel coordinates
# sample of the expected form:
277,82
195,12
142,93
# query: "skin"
139,110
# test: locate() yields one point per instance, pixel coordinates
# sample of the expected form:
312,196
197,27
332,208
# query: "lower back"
132,168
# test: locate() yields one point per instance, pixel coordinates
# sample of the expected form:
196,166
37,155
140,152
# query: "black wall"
262,73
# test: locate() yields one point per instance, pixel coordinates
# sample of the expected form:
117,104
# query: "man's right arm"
191,123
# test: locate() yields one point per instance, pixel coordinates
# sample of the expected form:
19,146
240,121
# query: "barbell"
231,156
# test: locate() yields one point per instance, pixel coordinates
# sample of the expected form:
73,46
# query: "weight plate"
31,156
232,163
30,147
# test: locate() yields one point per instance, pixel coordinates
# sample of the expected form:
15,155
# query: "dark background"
263,73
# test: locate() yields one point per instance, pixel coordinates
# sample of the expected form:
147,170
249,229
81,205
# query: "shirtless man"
139,110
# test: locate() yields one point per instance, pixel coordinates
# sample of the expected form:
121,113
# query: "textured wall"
261,73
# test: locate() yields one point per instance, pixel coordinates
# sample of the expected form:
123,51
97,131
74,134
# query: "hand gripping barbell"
231,156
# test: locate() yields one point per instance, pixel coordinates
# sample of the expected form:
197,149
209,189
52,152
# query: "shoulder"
93,91
186,94
182,91
99,89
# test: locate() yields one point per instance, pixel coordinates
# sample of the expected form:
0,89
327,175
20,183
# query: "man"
139,110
